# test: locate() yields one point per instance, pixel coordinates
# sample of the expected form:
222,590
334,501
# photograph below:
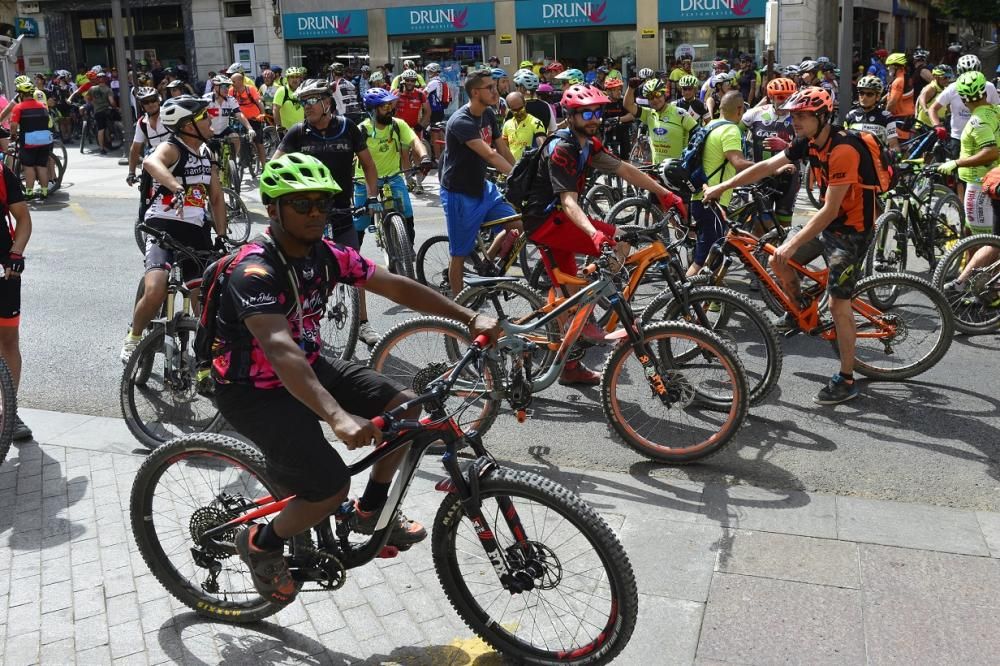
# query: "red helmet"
581,95
781,88
810,99
611,84
555,67
91,75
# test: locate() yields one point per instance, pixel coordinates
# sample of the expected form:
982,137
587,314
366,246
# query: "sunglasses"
656,95
304,206
309,101
596,114
200,116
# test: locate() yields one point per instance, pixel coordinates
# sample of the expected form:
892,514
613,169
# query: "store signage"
648,33
711,10
506,39
318,25
569,14
26,26
461,17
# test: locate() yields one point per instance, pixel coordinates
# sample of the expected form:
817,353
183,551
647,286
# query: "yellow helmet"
23,84
896,59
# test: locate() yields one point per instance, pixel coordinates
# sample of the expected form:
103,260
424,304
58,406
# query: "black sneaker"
837,391
786,323
404,533
268,568
21,431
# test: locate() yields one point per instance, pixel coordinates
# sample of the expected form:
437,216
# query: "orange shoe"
268,568
577,374
404,533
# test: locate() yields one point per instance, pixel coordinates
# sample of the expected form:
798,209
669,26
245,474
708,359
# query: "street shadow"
988,342
268,643
42,494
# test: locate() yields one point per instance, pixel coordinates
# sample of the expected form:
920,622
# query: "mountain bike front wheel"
181,491
237,217
698,408
340,323
161,402
976,307
579,601
398,246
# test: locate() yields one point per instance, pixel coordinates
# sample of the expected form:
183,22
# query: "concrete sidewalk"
730,574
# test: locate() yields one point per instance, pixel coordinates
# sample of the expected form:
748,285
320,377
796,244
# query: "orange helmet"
91,75
611,84
812,99
781,89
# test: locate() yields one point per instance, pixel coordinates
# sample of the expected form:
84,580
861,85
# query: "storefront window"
712,42
316,58
464,50
541,45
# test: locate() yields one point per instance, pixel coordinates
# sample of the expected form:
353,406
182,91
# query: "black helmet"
677,178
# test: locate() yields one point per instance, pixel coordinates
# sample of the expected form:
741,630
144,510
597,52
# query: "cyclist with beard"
336,141
552,215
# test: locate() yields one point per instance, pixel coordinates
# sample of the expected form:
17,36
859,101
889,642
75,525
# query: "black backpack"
693,160
521,180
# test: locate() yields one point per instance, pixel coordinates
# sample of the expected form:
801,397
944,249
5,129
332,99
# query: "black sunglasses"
304,206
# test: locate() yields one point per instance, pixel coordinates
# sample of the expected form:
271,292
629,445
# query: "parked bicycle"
667,408
528,565
976,304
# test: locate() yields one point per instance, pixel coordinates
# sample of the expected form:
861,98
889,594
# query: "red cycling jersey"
409,105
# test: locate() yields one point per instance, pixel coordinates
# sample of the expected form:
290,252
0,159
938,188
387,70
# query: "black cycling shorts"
192,235
289,434
36,156
102,118
10,301
258,129
340,229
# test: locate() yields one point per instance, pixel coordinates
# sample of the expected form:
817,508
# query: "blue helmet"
375,97
498,73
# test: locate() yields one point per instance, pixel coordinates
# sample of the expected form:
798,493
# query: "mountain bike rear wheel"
160,404
237,217
418,351
183,489
702,407
976,307
581,604
921,327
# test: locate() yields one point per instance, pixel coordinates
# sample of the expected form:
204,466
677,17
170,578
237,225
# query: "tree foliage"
987,11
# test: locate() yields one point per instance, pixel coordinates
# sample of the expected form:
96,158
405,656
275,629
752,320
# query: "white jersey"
222,112
195,175
155,133
960,113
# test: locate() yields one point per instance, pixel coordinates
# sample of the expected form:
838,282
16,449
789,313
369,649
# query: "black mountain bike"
528,565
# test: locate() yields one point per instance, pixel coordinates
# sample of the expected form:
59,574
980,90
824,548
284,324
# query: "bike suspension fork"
642,351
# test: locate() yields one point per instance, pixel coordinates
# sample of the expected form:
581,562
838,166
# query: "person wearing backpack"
721,154
438,92
551,211
840,231
273,385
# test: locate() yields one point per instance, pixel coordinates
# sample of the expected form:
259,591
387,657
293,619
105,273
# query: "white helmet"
433,68
235,68
409,64
527,79
221,80
409,74
376,77
177,110
646,73
969,63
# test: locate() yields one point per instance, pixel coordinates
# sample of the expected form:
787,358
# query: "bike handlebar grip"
379,423
482,340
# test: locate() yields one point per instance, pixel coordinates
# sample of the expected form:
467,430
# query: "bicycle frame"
418,435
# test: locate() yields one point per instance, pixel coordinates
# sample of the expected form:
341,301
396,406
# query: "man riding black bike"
275,387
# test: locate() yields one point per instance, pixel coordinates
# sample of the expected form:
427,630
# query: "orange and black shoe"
404,533
577,374
268,568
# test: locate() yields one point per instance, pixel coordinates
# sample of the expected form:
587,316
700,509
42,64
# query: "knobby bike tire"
237,216
888,253
946,234
972,308
233,175
398,245
84,135
144,370
941,323
735,310
602,199
635,211
140,237
8,410
443,341
143,519
719,402
813,190
606,551
152,344
428,272
497,300
340,323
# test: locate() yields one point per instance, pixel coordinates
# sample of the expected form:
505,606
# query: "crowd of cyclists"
334,148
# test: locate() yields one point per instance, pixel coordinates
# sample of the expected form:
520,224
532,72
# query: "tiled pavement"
726,574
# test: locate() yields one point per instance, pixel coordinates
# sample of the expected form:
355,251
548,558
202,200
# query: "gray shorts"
844,253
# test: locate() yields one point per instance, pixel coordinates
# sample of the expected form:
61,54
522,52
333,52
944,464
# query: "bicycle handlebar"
388,422
171,243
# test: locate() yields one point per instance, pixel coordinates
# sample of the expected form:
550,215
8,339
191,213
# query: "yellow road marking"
81,212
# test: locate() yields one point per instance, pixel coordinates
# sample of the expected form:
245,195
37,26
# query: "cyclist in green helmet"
274,386
669,126
571,77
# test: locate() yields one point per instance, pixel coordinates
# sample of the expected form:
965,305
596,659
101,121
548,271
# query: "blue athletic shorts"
399,193
464,215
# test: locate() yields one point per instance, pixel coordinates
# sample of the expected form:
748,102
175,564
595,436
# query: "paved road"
932,440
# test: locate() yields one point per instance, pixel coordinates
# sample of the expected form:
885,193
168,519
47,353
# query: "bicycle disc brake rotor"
337,314
680,391
902,331
539,562
979,287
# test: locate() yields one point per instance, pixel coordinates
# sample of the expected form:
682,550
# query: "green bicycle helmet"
295,172
23,84
689,81
295,71
971,86
653,86
573,76
871,83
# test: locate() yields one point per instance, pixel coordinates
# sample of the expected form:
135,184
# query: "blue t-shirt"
462,169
